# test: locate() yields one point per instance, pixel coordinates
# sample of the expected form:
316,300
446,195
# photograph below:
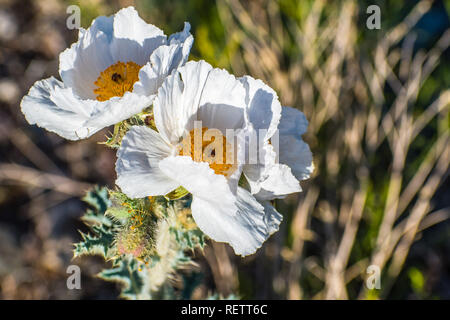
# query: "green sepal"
176,194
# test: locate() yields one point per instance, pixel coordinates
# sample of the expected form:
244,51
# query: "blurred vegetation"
378,105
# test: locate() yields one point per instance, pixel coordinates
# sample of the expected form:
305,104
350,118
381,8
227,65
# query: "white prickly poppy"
152,163
111,73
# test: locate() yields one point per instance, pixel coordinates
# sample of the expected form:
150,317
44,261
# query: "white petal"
56,108
177,102
272,217
181,36
270,179
263,115
263,106
280,182
285,161
81,64
295,153
292,122
117,109
239,220
137,166
222,103
149,80
184,41
197,177
163,61
52,106
128,25
134,39
245,230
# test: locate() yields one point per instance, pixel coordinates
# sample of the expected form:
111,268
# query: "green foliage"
189,239
98,199
120,129
127,271
145,239
100,242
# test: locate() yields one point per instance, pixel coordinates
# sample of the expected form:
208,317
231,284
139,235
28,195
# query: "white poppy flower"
152,163
111,73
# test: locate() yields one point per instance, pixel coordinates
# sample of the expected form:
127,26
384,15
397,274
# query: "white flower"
111,73
152,163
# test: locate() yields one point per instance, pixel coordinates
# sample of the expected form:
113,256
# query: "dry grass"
342,91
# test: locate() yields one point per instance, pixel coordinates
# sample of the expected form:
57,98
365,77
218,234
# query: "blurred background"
378,104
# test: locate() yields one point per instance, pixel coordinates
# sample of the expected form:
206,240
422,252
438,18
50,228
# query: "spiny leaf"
92,217
126,271
98,198
189,239
101,243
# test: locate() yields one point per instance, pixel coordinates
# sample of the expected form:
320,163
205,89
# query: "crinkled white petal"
197,177
175,106
293,151
137,166
287,159
163,61
128,25
263,107
197,92
134,39
52,106
81,64
269,179
279,183
272,217
245,230
293,122
222,103
117,109
184,41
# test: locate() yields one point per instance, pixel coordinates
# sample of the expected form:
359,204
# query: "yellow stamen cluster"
116,80
137,218
203,149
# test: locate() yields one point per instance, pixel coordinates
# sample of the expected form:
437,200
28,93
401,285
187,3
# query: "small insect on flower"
195,110
110,74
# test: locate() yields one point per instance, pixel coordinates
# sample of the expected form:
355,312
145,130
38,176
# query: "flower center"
117,79
209,145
